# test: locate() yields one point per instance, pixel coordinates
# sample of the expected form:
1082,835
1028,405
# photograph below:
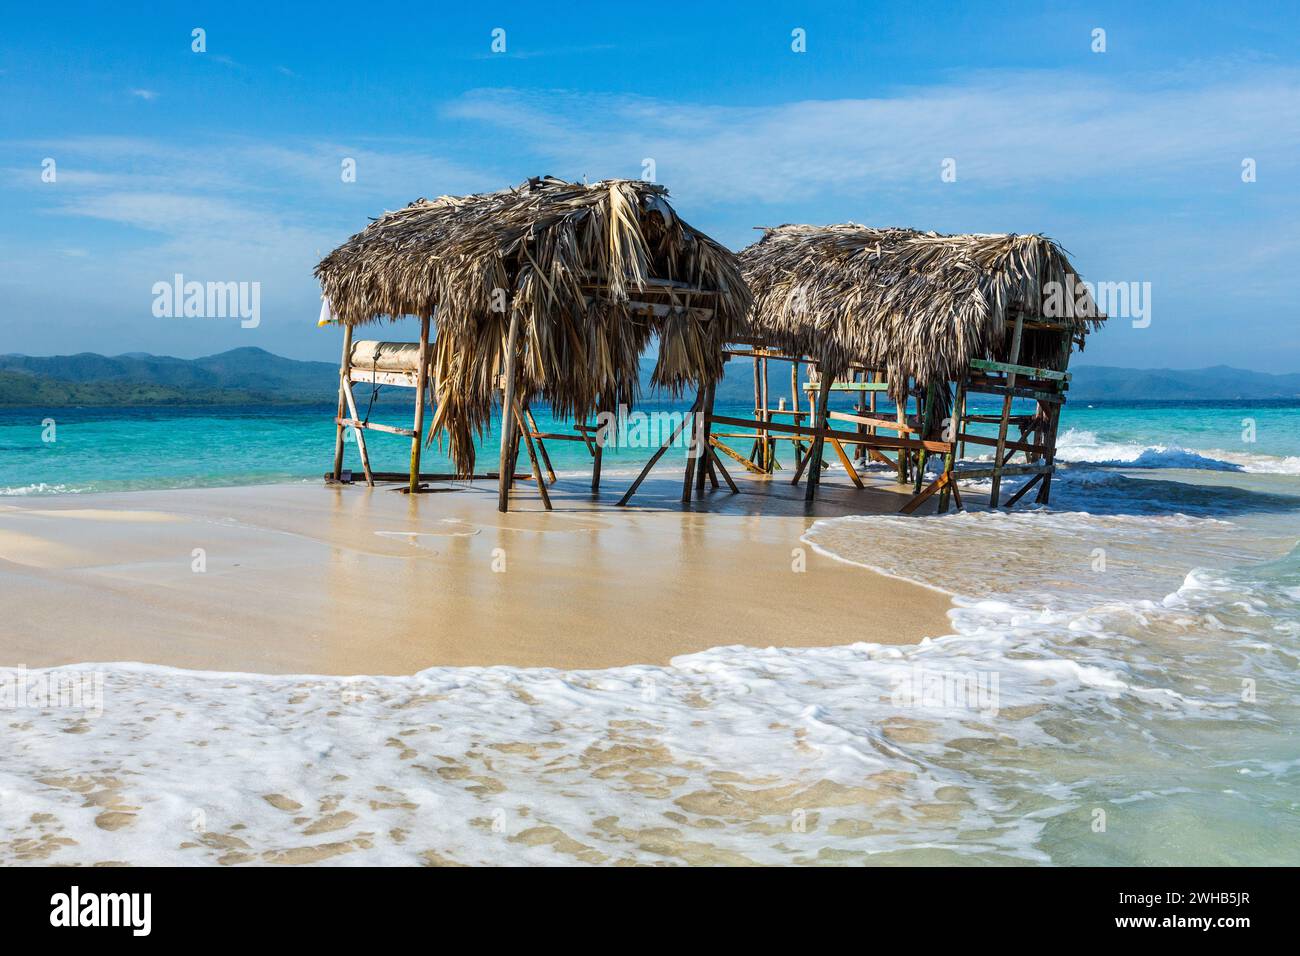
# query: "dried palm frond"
912,303
594,272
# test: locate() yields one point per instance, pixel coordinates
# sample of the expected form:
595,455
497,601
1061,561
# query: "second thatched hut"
918,313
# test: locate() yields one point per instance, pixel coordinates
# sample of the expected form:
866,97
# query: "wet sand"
309,579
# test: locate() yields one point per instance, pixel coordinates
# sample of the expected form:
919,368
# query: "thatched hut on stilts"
905,315
548,292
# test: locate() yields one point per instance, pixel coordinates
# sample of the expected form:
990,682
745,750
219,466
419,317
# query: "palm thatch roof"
912,303
594,272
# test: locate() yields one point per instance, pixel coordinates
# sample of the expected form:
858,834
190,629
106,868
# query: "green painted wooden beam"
989,366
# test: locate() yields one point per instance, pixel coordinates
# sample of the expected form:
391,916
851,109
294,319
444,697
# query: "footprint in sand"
114,820
333,821
281,802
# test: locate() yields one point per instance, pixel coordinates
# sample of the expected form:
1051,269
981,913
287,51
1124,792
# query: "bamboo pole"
999,452
703,465
819,418
1053,423
693,451
598,455
418,427
925,423
507,413
537,437
950,459
345,369
532,454
794,406
900,411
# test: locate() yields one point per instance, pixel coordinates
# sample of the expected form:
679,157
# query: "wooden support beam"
524,430
970,474
734,455
705,462
874,422
508,448
921,496
900,413
345,367
1025,487
663,447
852,387
1000,448
809,432
848,465
725,474
377,427
1032,394
695,449
538,436
360,432
1014,446
418,428
819,441
600,436
1028,371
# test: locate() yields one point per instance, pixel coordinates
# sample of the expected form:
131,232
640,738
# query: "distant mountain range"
240,376
255,376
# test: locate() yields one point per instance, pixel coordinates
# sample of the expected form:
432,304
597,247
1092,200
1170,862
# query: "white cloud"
1005,131
145,94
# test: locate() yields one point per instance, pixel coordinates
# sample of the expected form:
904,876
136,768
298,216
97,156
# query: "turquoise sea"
97,449
1120,683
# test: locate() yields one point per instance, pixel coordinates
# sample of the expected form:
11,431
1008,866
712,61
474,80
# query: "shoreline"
304,579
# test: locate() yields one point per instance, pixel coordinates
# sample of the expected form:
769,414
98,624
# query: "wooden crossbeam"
1024,488
918,499
1013,445
377,427
973,473
735,455
1029,371
808,432
848,465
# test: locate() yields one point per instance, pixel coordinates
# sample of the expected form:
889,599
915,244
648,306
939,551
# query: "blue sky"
225,165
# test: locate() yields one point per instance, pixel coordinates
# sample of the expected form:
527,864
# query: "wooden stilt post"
541,447
694,451
794,406
901,415
926,418
360,432
820,423
598,455
345,368
950,459
418,427
999,453
1053,422
705,463
509,449
524,430
871,397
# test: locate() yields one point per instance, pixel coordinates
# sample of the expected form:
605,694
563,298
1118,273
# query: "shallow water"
1121,684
